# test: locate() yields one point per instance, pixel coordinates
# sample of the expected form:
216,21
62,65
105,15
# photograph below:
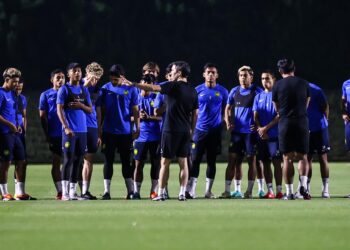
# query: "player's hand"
346,118
19,130
69,132
99,142
135,134
262,131
90,79
230,126
143,115
253,128
126,82
75,105
13,128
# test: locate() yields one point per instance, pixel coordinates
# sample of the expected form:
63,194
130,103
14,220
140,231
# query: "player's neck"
210,84
181,79
74,83
284,75
6,87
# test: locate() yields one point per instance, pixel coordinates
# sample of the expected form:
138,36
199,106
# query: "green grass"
196,224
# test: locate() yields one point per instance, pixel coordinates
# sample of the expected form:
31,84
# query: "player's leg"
124,144
275,155
109,144
323,160
92,147
68,146
183,177
182,148
155,166
250,143
55,146
6,154
288,174
140,153
163,178
197,152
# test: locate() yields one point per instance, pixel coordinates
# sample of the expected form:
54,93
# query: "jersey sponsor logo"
202,95
126,92
217,93
193,145
67,144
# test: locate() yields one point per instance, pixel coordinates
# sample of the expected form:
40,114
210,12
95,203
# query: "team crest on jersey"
126,92
193,145
67,144
136,151
217,93
152,103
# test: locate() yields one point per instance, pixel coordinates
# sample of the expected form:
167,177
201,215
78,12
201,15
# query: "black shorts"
175,144
55,145
141,150
319,142
206,141
268,149
347,136
11,147
121,142
92,137
293,135
243,144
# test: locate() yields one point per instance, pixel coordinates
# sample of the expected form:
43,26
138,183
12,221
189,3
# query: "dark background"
38,36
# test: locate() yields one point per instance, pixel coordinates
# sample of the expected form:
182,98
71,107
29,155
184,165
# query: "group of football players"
274,125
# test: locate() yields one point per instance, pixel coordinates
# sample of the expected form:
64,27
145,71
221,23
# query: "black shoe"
305,193
88,196
288,197
188,195
182,198
106,196
136,196
129,196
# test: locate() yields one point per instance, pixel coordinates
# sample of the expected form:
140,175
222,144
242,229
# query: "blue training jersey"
21,105
243,116
116,103
7,109
149,129
315,110
266,111
346,95
91,119
212,102
76,118
48,104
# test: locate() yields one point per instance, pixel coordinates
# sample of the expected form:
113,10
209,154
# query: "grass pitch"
195,224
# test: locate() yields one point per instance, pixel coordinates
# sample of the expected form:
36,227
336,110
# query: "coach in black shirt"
291,96
180,119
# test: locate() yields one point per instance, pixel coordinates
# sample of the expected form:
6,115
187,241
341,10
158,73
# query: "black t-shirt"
180,102
291,94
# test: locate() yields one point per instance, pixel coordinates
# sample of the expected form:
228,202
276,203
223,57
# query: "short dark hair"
116,70
168,68
268,71
56,71
286,66
209,65
148,78
183,67
73,65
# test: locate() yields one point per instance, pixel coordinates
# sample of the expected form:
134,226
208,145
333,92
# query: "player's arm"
228,117
11,126
44,123
87,108
307,102
100,118
135,111
277,108
194,120
344,104
144,116
24,115
160,111
63,120
145,86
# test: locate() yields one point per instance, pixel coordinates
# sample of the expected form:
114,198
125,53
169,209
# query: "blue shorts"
319,142
75,144
347,136
208,142
243,144
92,137
11,147
55,145
268,149
141,150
